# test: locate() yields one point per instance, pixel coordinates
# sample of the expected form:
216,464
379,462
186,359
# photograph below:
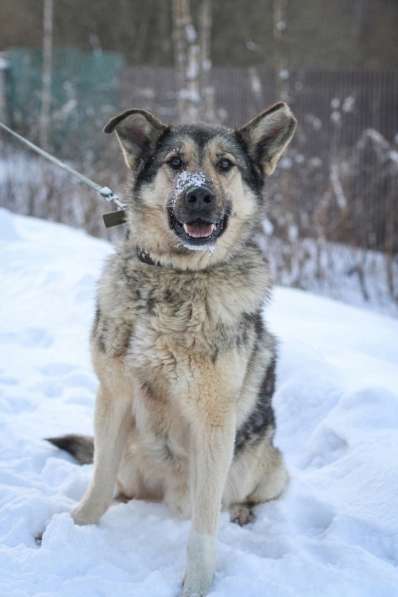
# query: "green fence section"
85,91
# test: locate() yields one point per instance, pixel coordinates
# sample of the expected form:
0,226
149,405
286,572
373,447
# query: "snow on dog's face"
198,187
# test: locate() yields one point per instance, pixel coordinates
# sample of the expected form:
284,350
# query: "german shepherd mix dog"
185,362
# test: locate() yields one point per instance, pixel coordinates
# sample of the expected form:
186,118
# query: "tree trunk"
4,88
47,72
207,111
281,61
195,95
187,62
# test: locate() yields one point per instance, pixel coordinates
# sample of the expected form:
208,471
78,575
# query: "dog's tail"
80,446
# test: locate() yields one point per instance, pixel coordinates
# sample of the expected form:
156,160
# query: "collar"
145,257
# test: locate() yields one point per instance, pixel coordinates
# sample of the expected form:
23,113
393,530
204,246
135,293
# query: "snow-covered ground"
334,533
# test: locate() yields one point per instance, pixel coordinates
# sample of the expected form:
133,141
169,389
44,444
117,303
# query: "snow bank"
334,533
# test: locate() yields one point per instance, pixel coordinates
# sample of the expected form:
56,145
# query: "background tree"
195,95
45,113
281,57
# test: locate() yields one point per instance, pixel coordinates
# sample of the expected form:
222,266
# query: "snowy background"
334,533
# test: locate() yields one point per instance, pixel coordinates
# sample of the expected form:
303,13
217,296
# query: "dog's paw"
242,514
195,587
87,514
200,566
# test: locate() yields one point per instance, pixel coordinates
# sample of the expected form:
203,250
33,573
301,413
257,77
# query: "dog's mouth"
198,232
199,229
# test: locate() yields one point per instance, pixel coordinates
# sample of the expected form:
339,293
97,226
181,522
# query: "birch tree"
195,97
207,90
281,62
46,72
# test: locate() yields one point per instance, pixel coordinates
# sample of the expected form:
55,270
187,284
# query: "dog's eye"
176,163
224,165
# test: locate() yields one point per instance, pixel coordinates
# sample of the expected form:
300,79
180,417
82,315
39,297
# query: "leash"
114,218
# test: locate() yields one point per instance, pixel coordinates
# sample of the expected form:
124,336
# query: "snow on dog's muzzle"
196,214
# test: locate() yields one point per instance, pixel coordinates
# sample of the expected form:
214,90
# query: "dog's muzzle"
195,217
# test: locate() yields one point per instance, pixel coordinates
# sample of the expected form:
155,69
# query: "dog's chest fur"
144,310
162,323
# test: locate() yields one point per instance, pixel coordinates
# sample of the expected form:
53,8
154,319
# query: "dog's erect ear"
138,132
268,134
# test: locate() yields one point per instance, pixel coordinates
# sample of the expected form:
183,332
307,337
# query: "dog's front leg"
212,440
112,422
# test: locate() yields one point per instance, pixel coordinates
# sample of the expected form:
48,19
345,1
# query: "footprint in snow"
7,380
71,378
311,516
325,448
14,404
81,380
55,369
372,407
29,337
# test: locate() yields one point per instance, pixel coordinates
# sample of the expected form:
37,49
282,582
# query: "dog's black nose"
199,199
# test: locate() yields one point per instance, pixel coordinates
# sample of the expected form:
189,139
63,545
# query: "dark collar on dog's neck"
145,257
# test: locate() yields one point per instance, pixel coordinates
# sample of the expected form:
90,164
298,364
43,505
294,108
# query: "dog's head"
198,188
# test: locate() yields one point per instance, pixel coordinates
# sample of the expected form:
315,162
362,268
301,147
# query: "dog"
185,362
